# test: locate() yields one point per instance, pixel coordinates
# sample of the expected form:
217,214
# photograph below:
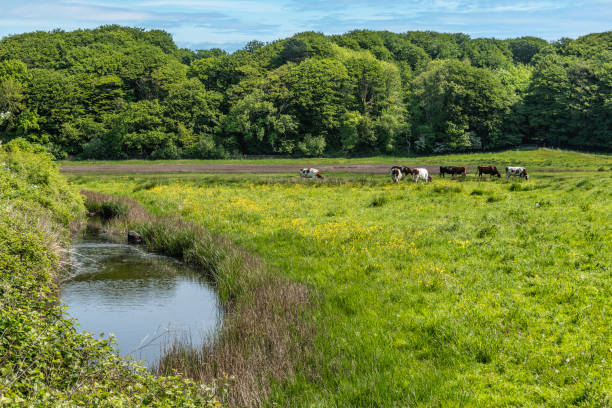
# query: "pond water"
145,300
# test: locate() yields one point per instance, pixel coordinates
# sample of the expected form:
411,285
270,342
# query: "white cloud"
232,22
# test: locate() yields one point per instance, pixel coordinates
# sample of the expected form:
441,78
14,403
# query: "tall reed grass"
266,330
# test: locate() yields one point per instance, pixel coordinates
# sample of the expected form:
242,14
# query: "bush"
45,362
113,209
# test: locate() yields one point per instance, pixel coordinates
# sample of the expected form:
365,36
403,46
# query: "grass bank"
44,362
451,293
265,330
539,158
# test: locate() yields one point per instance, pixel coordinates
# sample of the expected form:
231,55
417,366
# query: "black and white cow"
396,174
517,171
310,173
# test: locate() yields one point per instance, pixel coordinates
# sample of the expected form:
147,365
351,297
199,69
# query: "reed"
266,330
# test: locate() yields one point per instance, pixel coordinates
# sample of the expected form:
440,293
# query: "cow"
311,173
490,170
404,170
452,170
517,171
420,174
396,174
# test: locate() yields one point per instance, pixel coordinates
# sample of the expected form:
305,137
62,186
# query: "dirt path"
258,168
230,168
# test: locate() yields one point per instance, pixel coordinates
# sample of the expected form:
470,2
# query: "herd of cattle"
418,173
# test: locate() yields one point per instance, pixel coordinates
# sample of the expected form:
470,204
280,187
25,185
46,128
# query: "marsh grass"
436,298
265,331
477,192
378,201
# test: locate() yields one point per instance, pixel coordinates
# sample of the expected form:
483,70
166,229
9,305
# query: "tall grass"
265,330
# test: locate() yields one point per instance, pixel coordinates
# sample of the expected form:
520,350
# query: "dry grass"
266,330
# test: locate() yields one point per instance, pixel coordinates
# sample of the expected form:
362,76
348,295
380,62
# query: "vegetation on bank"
117,92
537,158
266,329
44,362
451,293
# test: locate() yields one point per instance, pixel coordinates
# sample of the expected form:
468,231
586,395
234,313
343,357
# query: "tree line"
117,92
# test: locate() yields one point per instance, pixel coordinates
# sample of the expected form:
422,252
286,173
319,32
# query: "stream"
146,300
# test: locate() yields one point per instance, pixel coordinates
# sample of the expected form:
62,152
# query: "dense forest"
116,92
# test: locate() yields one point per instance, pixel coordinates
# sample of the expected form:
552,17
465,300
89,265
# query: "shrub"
378,201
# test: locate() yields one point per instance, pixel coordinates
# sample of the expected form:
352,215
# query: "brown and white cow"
517,171
452,170
490,170
404,171
310,173
396,173
420,174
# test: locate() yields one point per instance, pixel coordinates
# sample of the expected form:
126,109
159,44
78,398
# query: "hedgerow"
44,361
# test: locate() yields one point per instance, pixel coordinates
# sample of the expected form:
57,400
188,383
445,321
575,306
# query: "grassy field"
452,293
540,158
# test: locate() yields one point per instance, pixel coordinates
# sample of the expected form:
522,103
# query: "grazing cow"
312,173
396,174
490,170
452,170
420,174
404,170
516,171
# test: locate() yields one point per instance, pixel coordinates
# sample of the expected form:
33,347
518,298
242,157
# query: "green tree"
568,103
457,102
525,48
258,127
488,52
304,45
320,89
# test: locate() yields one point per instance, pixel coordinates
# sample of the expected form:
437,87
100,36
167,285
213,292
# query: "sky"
230,24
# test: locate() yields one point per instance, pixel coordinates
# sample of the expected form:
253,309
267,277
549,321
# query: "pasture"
545,159
451,293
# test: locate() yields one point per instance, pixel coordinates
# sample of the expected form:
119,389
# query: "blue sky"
229,24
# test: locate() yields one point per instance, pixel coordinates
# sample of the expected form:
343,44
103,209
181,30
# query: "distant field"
541,158
451,293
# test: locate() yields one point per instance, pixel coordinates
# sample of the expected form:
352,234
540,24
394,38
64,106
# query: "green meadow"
539,158
459,292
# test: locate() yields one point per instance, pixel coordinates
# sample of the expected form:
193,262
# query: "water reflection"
145,300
